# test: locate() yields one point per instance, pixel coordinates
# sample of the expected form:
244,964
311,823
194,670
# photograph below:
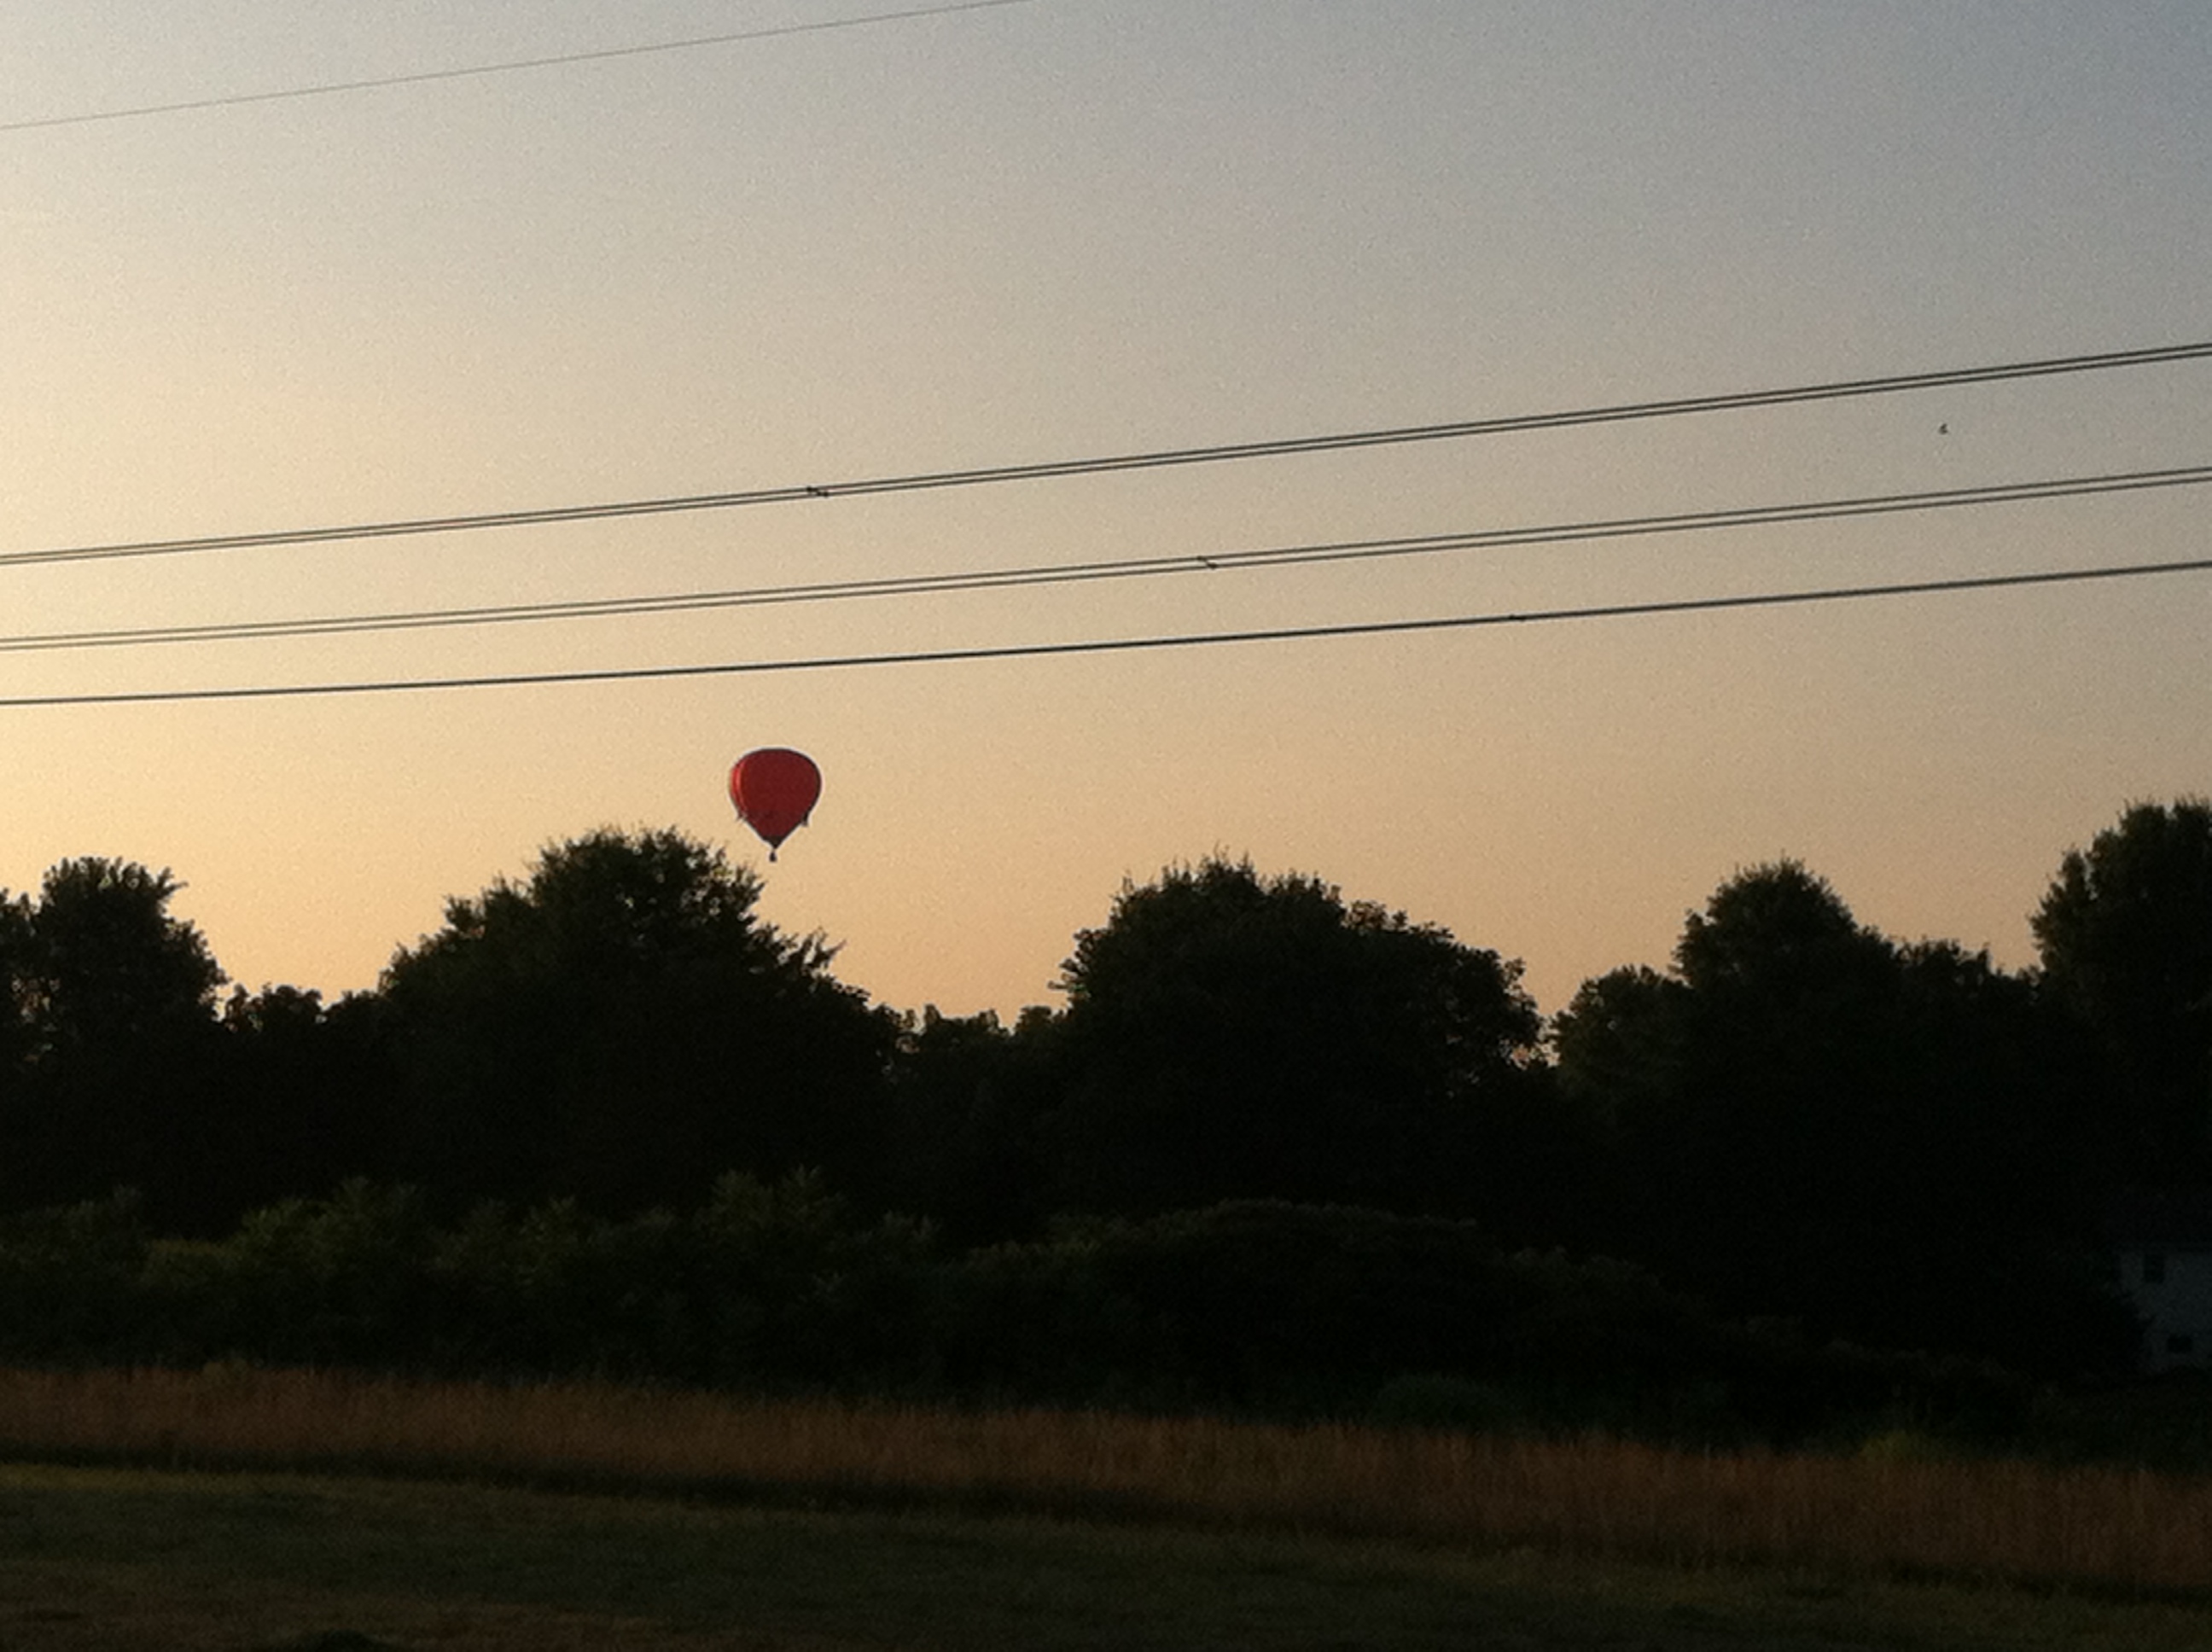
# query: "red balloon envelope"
775,791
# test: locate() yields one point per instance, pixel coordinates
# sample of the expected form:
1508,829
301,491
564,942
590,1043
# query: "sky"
855,245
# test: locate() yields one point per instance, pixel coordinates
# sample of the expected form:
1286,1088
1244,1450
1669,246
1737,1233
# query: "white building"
2162,1243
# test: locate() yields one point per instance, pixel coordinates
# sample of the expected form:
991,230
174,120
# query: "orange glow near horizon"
1036,233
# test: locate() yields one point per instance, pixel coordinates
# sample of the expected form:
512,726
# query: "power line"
1051,469
234,99
1123,645
1134,567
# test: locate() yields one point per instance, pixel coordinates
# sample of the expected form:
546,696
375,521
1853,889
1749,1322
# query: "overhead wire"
1131,567
1123,645
1102,465
518,66
978,580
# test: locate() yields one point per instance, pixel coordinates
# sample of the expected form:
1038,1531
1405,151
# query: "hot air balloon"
775,791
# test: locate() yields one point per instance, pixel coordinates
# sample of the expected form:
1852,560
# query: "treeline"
1882,1143
1254,1308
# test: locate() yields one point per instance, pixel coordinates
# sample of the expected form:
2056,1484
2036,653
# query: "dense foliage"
1257,1309
1230,1036
621,1029
2125,940
1278,1147
1887,1141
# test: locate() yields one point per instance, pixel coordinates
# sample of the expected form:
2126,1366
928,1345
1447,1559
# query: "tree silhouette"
2125,936
1229,1036
1810,1120
303,1103
106,1033
19,1033
100,965
968,1096
622,1027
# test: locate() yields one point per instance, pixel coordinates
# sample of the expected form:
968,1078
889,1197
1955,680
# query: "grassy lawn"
112,1559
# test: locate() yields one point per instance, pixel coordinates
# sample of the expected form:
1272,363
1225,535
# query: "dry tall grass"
1997,1521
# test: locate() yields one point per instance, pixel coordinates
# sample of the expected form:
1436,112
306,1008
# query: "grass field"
350,1513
